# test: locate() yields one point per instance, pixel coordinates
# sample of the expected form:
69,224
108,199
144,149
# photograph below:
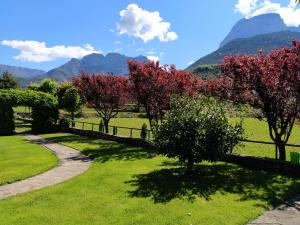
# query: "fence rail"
114,130
135,132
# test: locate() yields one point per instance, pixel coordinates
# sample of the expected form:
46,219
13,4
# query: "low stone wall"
125,140
264,164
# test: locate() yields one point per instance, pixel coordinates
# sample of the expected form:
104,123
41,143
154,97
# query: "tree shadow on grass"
102,151
208,179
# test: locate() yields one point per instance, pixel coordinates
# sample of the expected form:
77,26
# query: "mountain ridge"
20,72
252,45
261,24
113,63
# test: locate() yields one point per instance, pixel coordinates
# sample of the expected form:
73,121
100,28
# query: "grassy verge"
20,159
255,130
128,185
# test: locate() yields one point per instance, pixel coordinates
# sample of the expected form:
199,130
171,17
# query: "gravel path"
71,164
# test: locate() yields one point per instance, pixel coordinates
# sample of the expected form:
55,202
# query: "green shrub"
144,131
196,130
7,120
64,123
101,126
115,130
44,119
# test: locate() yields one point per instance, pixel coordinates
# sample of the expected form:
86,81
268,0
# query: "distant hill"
20,72
207,72
251,45
94,63
262,24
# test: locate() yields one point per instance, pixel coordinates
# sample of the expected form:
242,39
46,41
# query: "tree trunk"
281,148
189,166
105,121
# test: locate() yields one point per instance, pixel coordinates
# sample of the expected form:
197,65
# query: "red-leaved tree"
153,85
270,82
107,94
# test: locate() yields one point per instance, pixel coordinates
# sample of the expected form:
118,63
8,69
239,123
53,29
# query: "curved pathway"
286,214
71,163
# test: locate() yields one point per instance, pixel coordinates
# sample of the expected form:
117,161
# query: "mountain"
207,72
20,72
94,63
262,24
251,45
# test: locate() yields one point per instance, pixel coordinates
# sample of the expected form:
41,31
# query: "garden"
191,128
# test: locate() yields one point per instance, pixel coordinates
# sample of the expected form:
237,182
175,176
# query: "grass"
258,130
20,159
120,122
128,185
255,130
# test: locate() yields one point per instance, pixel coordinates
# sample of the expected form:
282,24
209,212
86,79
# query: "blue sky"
38,34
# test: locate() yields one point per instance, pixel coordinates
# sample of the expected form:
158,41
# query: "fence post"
92,127
83,126
131,132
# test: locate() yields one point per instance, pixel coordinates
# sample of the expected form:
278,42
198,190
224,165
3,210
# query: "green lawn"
121,122
128,185
20,159
255,130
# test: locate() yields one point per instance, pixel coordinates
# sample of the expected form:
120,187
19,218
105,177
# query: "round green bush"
196,130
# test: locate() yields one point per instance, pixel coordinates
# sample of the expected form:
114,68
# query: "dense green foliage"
44,109
64,123
69,98
8,81
47,86
20,159
7,120
144,131
128,185
196,130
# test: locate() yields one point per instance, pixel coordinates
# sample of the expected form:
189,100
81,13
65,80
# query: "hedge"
44,109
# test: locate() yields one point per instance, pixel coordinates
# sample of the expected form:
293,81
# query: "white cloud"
144,24
290,13
246,6
153,58
117,42
34,51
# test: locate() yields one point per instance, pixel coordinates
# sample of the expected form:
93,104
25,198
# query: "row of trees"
150,84
269,82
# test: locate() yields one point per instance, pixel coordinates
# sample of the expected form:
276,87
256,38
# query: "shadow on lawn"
103,151
166,184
